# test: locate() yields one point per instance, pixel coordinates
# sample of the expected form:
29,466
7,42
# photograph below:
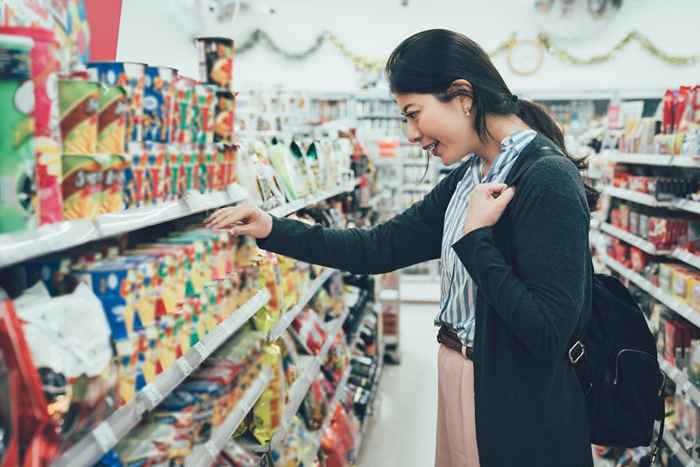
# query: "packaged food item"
74,363
47,135
148,444
159,103
78,104
269,409
17,164
82,187
315,406
205,110
183,118
216,61
113,167
132,77
33,419
112,120
224,118
309,332
302,169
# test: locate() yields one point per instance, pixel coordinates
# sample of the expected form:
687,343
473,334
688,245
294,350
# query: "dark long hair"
430,61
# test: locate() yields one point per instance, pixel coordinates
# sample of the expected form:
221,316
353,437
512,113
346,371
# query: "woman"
510,224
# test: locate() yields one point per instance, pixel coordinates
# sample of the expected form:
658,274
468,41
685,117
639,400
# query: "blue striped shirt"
457,289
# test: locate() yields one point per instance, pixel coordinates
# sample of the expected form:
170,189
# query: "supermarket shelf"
595,223
52,238
639,198
303,383
294,206
103,438
206,454
681,454
683,385
688,205
632,239
291,315
673,303
686,257
651,159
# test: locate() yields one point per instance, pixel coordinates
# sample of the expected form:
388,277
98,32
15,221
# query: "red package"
659,232
36,437
695,103
639,260
682,111
309,331
669,105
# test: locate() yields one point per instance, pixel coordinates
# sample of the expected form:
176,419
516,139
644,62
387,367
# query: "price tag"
184,365
153,394
201,349
105,437
197,202
212,449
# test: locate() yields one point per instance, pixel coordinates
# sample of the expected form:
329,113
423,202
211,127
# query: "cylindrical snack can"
206,105
155,167
17,162
111,120
113,167
47,134
174,171
224,115
158,103
183,115
78,103
82,187
216,61
131,76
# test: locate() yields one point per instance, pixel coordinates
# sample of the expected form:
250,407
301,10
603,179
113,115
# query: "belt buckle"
576,352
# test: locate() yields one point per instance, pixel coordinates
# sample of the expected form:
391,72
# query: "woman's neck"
499,127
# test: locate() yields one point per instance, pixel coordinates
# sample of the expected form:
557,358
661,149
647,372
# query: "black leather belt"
449,338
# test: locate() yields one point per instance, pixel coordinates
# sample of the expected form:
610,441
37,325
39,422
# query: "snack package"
303,169
33,418
79,103
148,444
216,61
113,167
47,135
315,405
309,332
269,409
282,162
112,120
81,187
74,363
17,164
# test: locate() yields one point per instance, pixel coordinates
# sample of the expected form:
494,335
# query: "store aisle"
403,433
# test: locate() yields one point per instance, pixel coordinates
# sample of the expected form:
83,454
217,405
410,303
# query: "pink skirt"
456,428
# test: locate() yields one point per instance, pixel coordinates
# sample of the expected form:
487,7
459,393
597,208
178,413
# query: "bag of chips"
309,332
269,409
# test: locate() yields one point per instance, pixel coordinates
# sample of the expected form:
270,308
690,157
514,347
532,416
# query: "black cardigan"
533,274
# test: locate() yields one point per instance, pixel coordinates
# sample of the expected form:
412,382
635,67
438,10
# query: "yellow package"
269,409
694,292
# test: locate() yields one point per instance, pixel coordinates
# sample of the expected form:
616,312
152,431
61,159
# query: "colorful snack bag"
112,120
112,182
17,164
158,103
81,187
216,61
78,102
309,331
270,407
183,116
225,114
131,76
47,134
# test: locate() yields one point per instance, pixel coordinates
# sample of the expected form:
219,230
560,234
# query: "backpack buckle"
576,352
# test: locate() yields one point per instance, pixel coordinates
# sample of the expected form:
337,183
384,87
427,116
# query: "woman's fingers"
228,216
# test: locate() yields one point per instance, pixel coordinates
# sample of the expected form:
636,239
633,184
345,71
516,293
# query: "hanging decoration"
563,55
370,65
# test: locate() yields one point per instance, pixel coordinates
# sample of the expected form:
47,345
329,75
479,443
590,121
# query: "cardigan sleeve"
409,238
542,299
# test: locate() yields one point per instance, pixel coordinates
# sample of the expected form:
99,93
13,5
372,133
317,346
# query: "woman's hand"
486,205
243,219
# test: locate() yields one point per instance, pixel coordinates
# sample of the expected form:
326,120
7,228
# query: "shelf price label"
105,437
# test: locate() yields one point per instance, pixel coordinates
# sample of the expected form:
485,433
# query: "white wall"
372,28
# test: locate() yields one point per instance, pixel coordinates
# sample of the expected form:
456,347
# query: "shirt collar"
511,141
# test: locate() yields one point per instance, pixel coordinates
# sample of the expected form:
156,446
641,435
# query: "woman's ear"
462,89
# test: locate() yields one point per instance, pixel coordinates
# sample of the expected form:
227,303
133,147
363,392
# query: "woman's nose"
412,133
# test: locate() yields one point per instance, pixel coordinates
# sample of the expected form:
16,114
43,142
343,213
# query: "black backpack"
616,363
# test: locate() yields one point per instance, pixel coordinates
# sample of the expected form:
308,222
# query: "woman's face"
444,128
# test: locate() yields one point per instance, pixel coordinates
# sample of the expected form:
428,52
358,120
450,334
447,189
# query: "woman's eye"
412,115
